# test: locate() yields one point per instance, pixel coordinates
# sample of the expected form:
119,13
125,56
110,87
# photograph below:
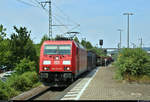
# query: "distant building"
147,49
148,52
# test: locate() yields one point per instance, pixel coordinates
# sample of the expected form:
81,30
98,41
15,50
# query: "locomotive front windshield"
57,49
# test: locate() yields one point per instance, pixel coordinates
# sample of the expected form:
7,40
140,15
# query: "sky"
98,19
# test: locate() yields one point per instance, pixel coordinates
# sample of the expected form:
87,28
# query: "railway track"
31,93
48,93
58,93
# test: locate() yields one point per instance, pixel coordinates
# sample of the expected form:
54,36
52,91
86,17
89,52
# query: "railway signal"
101,43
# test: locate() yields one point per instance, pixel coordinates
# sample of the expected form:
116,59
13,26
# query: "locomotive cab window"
57,49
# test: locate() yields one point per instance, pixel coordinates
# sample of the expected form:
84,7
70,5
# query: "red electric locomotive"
61,62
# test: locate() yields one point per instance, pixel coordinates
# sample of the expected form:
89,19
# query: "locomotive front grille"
53,76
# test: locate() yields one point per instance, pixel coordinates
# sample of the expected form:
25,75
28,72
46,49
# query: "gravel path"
104,87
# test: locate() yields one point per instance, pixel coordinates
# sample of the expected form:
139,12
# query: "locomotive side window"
57,49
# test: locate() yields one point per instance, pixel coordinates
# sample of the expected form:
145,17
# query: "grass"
37,84
138,79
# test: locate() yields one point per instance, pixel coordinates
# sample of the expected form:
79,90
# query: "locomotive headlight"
66,62
68,68
46,62
45,68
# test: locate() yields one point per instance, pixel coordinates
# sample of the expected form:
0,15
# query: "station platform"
103,86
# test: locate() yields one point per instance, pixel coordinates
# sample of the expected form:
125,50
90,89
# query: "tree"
5,52
99,51
86,44
83,43
22,46
89,45
76,39
2,32
44,38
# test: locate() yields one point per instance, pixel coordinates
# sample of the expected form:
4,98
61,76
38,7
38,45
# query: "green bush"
6,92
25,65
133,62
20,83
3,93
23,82
32,76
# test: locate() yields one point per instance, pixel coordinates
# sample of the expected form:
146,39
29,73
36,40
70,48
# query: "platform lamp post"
120,30
128,14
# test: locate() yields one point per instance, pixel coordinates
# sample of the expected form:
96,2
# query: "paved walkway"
104,87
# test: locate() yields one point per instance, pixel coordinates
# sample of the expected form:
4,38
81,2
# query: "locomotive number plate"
56,62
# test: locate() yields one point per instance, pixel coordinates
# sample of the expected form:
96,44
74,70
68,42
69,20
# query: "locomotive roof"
58,42
63,42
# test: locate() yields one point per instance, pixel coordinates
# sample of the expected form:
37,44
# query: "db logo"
56,62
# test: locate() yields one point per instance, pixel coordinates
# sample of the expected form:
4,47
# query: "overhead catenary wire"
60,22
33,2
26,3
37,3
64,14
72,29
60,17
69,18
56,19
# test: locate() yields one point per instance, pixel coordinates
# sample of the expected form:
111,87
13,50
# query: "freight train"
61,62
103,61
